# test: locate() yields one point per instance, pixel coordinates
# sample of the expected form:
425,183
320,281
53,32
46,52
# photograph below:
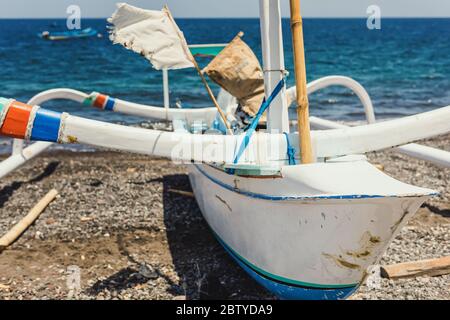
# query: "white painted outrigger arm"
414,150
157,113
263,147
135,109
21,156
18,159
342,81
382,135
429,154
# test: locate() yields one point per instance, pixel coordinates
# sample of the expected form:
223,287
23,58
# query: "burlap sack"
237,70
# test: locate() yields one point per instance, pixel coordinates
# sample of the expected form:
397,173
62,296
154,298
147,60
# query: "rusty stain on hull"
224,202
72,139
341,262
368,242
361,254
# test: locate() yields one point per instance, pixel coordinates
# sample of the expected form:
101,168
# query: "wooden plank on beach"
182,193
430,267
20,227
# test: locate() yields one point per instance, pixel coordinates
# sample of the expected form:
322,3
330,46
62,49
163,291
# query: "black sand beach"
132,237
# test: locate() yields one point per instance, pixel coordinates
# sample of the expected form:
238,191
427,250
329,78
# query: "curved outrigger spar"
185,118
326,143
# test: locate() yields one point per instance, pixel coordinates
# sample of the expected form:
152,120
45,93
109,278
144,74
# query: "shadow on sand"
443,212
7,191
204,267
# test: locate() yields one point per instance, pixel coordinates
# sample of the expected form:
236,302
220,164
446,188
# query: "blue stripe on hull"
285,198
290,292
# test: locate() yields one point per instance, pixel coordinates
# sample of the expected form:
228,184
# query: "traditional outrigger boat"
304,231
66,35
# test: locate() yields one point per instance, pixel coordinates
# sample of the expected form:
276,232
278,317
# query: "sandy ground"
132,238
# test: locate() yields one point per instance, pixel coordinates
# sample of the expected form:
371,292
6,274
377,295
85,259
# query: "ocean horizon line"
236,18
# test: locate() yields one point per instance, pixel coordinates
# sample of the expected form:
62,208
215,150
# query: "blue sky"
226,8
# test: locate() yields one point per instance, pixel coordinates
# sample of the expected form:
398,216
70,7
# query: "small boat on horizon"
72,34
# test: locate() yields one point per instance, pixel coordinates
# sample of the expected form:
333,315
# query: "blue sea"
405,66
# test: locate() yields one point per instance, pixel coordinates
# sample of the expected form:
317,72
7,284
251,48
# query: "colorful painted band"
16,121
101,101
110,104
46,126
23,121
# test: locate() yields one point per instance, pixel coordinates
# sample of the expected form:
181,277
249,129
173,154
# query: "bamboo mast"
300,79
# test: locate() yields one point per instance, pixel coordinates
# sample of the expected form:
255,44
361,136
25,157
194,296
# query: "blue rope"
290,151
264,106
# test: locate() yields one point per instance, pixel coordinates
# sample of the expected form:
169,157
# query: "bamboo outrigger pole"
300,79
12,235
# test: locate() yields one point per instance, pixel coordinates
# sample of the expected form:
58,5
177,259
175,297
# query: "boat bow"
310,232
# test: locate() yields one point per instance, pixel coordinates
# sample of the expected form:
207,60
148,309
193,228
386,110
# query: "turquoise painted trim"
89,101
4,103
287,198
210,50
280,278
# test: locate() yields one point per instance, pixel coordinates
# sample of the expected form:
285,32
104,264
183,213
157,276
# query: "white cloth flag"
153,34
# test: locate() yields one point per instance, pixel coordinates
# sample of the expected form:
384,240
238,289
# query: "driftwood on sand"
430,267
13,234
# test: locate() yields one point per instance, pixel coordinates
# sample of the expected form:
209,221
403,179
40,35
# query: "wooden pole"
20,227
430,267
211,95
182,193
300,79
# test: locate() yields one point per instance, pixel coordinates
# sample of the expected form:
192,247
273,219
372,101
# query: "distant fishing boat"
66,35
304,213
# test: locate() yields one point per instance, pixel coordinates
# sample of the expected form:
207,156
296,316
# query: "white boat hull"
302,246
